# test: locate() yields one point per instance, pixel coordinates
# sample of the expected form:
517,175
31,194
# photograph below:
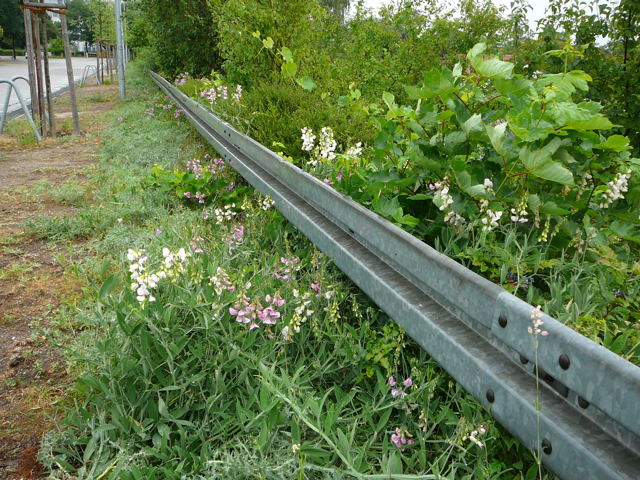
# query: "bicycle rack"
86,72
23,104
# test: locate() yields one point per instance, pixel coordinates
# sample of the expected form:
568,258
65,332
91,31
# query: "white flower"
327,145
488,183
616,189
354,151
308,139
442,195
491,220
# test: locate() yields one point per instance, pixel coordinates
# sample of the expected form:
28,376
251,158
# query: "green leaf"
552,208
494,68
534,203
287,56
512,86
289,68
388,207
477,50
457,70
268,43
625,230
256,34
597,123
306,82
389,99
496,136
394,464
617,143
107,286
553,171
539,163
473,124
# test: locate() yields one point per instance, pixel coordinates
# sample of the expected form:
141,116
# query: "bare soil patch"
33,284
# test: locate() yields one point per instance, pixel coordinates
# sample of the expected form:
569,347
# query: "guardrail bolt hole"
546,446
564,361
583,403
502,321
491,396
523,360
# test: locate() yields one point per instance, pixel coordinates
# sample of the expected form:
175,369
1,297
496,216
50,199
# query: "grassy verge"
217,342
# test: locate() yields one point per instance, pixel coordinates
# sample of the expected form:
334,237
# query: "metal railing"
588,426
86,73
5,108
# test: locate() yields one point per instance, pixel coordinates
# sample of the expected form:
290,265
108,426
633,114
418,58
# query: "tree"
12,24
80,18
338,8
103,24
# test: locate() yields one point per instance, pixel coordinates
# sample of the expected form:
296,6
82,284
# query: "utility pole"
120,48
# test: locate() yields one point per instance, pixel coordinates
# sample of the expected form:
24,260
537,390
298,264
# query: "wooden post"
72,85
98,81
31,62
35,26
47,79
110,61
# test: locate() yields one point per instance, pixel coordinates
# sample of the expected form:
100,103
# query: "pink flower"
315,286
395,392
392,381
407,382
253,326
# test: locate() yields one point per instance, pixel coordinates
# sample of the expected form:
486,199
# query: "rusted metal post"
47,79
72,86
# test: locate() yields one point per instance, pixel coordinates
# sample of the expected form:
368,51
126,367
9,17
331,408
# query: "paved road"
58,69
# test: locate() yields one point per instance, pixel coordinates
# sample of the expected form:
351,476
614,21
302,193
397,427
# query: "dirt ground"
33,281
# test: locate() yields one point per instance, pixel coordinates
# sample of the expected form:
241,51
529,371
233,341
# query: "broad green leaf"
534,203
552,208
626,230
454,140
389,99
553,171
388,207
512,86
598,123
496,136
457,70
494,68
617,143
567,112
289,69
268,43
286,54
473,124
306,82
477,50
539,163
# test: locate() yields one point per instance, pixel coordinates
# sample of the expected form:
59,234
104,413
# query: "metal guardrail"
5,107
588,426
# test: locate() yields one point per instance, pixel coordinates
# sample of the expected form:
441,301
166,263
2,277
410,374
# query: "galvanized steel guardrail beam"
588,426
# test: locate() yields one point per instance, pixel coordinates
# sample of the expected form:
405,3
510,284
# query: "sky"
537,7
